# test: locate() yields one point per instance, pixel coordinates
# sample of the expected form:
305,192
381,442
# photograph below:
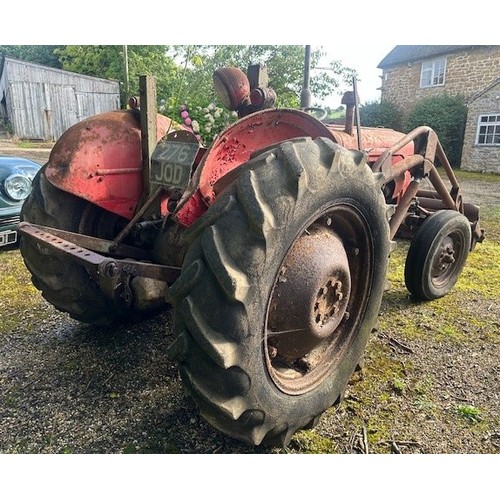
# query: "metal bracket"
112,275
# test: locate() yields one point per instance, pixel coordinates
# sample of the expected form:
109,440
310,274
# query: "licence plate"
8,238
172,160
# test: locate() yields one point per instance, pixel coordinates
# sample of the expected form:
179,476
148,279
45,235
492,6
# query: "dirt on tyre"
64,283
437,255
280,290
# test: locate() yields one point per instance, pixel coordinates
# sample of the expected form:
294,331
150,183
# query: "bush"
380,114
205,122
446,114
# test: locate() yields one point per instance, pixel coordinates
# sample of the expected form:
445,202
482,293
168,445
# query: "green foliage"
103,61
108,61
336,115
446,114
39,54
333,78
398,385
184,73
205,122
470,413
380,114
285,63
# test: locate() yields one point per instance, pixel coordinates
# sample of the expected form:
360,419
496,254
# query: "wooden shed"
39,102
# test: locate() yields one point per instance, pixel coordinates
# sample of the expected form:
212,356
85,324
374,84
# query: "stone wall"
482,158
467,73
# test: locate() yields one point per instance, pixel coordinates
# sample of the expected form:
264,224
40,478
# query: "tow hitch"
128,282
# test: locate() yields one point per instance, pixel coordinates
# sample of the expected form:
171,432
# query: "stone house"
412,72
481,149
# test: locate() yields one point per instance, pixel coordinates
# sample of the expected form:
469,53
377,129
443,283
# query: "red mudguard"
235,146
262,129
99,159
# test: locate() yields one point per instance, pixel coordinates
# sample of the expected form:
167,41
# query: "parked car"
16,175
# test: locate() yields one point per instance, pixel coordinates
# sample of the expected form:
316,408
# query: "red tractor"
271,245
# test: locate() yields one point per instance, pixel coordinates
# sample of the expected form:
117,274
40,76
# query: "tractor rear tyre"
63,283
437,255
280,290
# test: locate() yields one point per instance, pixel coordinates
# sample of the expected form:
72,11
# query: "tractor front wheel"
437,255
280,290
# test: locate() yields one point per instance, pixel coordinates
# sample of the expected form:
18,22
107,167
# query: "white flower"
217,113
211,106
195,126
208,128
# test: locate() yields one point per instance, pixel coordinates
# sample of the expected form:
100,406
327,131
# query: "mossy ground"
20,302
430,382
405,400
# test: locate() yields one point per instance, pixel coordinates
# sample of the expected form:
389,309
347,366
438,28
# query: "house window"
432,73
488,130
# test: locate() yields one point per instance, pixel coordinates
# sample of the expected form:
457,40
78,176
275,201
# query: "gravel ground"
66,387
40,153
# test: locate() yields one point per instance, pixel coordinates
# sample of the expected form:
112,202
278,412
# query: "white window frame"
431,74
488,126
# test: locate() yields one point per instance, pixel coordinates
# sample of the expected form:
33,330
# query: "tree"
285,64
446,114
380,114
108,61
39,54
184,73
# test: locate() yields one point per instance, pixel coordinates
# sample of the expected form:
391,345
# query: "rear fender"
235,146
100,160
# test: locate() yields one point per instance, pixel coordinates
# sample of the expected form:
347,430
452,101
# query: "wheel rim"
318,299
448,255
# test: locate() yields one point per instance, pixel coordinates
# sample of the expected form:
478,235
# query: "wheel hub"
310,297
445,258
328,301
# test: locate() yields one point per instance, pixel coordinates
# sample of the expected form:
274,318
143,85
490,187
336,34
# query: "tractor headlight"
17,187
232,87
